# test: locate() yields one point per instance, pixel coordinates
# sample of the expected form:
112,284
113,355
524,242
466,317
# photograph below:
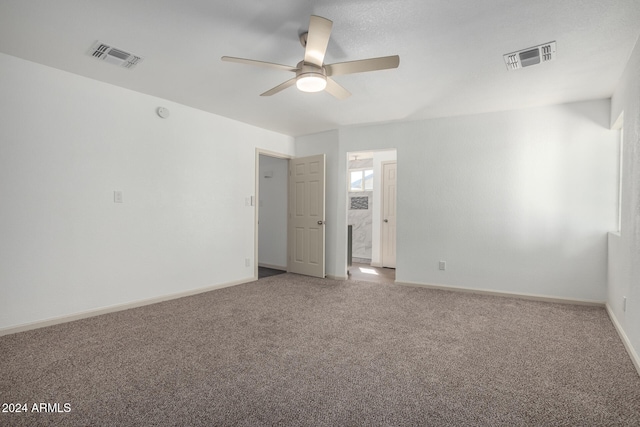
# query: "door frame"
256,204
377,214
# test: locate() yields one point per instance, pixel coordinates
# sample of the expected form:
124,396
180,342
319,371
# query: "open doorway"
371,200
272,207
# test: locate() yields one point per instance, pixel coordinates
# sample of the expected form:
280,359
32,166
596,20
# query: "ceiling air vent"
531,56
115,56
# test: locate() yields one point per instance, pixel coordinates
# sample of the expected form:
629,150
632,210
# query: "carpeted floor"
293,350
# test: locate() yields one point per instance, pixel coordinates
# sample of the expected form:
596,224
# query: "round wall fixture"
163,112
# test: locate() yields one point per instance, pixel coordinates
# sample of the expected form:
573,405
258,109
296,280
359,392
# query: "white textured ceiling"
450,53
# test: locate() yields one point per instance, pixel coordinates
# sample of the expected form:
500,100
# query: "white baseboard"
376,264
114,308
533,297
275,267
625,339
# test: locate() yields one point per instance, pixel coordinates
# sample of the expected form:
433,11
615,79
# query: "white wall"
67,143
517,201
624,249
272,230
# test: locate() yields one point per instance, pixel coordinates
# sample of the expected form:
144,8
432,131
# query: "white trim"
620,178
619,123
625,339
114,308
533,297
275,267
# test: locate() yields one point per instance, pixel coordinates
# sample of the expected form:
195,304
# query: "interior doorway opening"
371,201
272,214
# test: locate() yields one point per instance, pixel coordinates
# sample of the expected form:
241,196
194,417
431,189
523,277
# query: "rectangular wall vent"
114,56
530,56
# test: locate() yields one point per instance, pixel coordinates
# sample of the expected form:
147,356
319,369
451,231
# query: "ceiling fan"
312,74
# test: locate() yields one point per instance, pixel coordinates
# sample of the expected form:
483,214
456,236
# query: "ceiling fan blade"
280,87
372,64
317,40
258,63
336,90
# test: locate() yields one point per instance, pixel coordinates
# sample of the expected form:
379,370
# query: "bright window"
361,180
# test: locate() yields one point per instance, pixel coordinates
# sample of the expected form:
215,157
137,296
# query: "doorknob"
320,222
386,220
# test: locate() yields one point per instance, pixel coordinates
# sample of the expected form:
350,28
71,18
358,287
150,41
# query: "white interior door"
306,215
389,185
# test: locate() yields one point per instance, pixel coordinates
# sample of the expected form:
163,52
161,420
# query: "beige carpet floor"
292,350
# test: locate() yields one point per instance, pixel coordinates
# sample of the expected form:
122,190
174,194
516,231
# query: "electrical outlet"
624,304
442,265
117,197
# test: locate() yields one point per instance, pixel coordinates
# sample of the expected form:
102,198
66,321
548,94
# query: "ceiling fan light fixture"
311,82
312,74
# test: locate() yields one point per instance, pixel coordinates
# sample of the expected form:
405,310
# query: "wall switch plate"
624,304
442,265
247,262
117,197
